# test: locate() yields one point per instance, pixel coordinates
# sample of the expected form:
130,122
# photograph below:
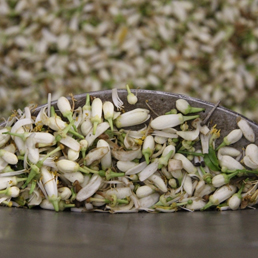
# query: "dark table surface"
42,233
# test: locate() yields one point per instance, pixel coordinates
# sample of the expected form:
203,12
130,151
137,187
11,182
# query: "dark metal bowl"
161,102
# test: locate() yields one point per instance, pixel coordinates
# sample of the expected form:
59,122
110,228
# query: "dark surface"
40,233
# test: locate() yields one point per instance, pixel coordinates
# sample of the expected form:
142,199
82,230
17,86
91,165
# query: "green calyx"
187,118
190,109
87,105
163,161
95,121
147,153
55,202
111,174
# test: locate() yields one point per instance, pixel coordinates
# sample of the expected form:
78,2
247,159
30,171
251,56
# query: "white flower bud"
9,157
125,165
234,201
67,166
184,107
197,204
131,98
98,203
84,144
134,117
144,191
13,191
222,194
108,110
219,180
46,205
172,182
64,193
64,106
233,137
172,120
121,192
49,182
96,113
148,147
72,154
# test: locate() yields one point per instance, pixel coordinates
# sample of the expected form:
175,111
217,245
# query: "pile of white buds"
92,159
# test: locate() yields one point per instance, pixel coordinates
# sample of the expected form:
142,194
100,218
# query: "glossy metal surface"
40,233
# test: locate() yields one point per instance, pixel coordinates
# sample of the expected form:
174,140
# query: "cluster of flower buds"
87,159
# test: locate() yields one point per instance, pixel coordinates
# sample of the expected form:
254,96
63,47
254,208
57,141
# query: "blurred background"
205,49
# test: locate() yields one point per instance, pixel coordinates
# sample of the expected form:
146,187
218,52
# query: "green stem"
195,109
52,111
33,172
223,144
55,202
76,134
241,171
128,89
163,161
40,162
23,136
62,133
190,153
147,153
186,118
88,170
33,186
87,103
110,121
111,174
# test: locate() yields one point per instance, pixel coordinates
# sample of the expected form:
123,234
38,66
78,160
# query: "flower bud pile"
93,158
